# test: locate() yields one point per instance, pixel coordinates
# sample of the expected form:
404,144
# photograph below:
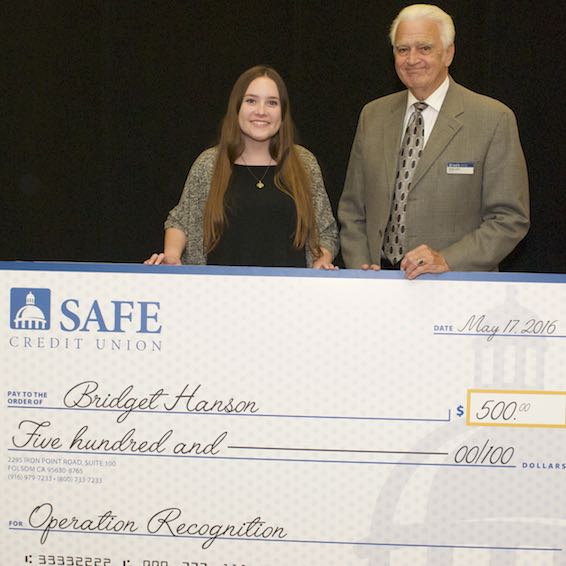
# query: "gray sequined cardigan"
188,214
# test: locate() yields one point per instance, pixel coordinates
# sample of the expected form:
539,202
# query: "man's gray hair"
429,12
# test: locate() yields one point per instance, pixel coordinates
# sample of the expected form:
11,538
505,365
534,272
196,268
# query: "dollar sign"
460,410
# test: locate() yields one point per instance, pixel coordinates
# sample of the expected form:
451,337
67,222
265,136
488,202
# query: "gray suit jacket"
474,220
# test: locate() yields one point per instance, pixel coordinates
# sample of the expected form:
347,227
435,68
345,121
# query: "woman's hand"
324,261
162,258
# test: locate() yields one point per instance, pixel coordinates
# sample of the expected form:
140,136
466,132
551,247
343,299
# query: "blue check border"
135,268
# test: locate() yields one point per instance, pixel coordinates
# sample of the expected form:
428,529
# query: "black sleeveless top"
261,223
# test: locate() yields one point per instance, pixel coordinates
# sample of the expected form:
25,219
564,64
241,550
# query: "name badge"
466,168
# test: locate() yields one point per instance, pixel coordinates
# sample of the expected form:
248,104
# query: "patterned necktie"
411,149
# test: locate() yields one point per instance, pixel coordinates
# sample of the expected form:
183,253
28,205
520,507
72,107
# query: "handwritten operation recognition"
211,417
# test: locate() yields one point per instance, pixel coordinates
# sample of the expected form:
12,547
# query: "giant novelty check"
159,416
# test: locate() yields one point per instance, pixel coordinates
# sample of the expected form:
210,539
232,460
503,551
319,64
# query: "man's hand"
423,260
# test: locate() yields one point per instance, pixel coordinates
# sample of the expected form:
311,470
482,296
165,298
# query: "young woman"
256,199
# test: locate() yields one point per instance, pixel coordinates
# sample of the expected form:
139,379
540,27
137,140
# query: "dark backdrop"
107,103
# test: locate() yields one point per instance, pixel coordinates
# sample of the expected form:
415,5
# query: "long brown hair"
291,176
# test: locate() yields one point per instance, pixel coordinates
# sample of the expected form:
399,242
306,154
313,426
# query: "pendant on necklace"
259,185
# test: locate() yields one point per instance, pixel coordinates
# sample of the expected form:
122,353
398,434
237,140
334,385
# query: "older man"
437,179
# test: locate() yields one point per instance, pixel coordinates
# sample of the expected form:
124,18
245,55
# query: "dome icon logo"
30,309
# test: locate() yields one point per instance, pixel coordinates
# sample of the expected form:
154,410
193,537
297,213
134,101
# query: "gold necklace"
260,184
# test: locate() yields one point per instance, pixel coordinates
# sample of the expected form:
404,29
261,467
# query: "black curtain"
107,103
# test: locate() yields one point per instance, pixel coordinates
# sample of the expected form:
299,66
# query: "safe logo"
30,309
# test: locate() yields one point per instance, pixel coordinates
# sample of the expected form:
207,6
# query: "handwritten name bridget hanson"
167,521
